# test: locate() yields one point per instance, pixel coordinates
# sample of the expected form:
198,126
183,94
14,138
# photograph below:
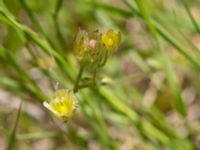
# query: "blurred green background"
148,92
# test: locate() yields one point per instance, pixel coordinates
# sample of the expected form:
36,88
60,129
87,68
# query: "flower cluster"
90,48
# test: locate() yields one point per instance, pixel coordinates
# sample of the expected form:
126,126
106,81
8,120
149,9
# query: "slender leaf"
12,137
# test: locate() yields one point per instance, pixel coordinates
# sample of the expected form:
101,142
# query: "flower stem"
94,77
78,79
104,60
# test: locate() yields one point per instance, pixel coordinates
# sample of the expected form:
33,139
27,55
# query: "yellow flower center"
110,42
60,107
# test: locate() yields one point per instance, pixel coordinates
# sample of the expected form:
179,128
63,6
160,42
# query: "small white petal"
45,104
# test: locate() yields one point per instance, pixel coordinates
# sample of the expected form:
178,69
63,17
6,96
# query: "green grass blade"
36,135
175,87
142,7
10,83
118,104
35,20
185,3
60,36
110,8
98,122
23,74
32,16
42,43
58,6
12,137
167,36
141,125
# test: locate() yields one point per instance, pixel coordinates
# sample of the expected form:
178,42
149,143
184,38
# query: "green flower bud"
86,47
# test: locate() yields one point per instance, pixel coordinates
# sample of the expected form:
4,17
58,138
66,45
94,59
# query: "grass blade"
185,3
12,137
35,20
133,116
145,14
175,87
110,8
167,36
36,135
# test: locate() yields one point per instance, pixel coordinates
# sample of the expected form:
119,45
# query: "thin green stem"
82,86
78,79
94,77
104,60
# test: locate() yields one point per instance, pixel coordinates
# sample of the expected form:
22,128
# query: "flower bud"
86,47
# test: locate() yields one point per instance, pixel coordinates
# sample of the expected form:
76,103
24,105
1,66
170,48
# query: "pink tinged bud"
92,43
